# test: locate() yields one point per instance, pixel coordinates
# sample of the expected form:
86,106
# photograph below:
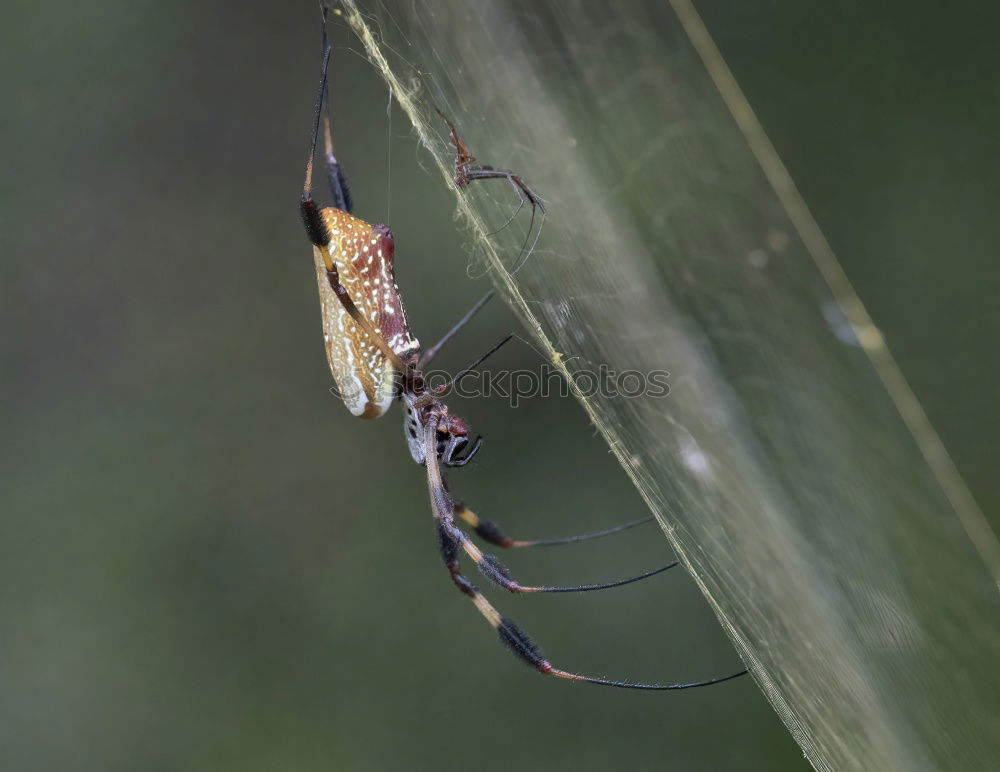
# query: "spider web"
791,468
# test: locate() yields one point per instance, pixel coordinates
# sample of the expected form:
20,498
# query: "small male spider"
374,359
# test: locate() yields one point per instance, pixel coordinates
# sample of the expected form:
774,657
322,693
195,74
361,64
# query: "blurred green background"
207,563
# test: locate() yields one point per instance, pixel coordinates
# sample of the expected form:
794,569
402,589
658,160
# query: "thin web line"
388,158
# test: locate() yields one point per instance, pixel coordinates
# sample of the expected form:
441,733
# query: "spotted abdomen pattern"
363,256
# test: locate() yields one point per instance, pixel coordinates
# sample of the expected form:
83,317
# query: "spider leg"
432,394
452,459
490,531
311,218
491,567
445,388
430,353
520,206
470,173
512,636
335,178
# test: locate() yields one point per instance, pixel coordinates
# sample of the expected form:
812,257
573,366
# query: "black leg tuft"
519,643
315,228
491,567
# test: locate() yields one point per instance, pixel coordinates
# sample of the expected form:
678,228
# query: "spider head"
453,445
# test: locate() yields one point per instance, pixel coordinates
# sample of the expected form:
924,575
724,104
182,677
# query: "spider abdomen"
363,257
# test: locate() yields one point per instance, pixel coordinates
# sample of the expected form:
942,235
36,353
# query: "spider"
375,359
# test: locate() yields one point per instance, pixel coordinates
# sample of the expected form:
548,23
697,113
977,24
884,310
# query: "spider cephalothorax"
451,435
374,359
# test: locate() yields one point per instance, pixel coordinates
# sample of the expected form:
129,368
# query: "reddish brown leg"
468,170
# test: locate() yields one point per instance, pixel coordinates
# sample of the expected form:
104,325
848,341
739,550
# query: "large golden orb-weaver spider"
375,359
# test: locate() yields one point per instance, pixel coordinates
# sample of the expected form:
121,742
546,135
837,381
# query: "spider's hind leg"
452,541
490,532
